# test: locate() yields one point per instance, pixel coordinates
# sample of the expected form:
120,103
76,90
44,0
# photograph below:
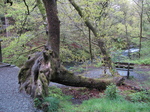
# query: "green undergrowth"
15,49
143,60
143,96
110,101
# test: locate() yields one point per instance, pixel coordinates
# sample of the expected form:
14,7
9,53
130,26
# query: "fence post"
0,51
128,72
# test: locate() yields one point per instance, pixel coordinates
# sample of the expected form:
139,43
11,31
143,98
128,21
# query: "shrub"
111,91
37,102
48,104
99,64
143,96
55,92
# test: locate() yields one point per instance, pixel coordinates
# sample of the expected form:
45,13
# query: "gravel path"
10,98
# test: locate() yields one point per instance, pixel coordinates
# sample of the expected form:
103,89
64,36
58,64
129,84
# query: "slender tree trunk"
126,31
128,44
6,24
141,28
43,14
90,45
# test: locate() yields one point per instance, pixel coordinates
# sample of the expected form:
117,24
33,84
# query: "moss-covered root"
42,86
35,75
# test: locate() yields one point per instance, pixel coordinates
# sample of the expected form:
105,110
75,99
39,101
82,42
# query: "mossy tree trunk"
43,67
106,57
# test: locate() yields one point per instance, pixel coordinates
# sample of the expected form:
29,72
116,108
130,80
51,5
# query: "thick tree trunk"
101,44
53,26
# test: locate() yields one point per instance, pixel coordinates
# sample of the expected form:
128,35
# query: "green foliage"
37,102
68,54
111,91
13,53
99,64
48,104
55,92
143,96
143,61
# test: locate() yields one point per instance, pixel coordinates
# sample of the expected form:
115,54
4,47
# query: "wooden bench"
125,66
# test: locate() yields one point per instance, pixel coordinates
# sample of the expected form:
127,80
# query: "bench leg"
128,72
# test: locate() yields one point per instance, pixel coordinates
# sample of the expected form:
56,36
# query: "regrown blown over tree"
43,67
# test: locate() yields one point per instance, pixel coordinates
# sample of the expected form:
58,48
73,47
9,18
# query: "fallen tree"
43,67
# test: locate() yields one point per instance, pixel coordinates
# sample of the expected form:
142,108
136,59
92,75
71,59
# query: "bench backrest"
124,65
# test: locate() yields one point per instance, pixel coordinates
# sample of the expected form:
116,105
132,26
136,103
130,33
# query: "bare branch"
28,12
136,3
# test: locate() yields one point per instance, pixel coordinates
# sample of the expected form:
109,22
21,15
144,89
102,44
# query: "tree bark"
53,26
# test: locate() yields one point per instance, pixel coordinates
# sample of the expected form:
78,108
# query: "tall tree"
43,67
141,27
140,4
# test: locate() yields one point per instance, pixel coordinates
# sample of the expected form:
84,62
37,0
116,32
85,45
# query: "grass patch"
110,102
116,105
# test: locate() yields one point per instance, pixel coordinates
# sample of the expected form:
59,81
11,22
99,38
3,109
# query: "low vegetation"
109,101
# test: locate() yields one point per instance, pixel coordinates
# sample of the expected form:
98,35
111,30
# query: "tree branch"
28,12
101,44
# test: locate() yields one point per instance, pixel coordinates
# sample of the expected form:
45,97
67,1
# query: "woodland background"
123,24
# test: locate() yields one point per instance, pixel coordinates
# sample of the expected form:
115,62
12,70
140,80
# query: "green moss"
23,74
44,83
